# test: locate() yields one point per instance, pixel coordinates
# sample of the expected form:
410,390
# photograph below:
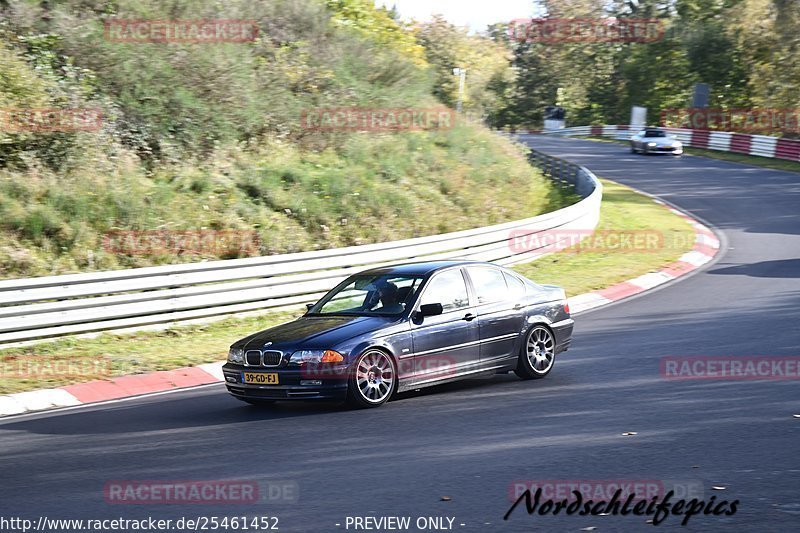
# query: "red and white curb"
706,246
112,389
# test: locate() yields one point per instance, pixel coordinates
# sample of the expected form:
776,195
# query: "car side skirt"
481,370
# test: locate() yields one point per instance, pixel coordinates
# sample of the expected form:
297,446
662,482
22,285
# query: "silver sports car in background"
655,141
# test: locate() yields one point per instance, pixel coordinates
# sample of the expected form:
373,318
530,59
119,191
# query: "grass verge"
75,360
624,210
66,361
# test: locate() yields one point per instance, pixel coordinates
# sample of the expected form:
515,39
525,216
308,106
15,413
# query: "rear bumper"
563,333
293,384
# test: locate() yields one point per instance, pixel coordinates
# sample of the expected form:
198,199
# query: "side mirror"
430,310
308,307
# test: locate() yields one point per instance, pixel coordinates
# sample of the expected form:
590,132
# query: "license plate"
260,378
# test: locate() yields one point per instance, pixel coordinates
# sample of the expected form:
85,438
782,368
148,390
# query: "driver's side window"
447,288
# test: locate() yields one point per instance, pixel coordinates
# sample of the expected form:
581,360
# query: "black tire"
537,354
373,380
259,403
633,149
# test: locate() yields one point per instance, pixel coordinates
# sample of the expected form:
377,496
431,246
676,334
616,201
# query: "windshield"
654,133
365,294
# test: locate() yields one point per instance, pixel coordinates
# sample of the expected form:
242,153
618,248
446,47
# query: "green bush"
208,136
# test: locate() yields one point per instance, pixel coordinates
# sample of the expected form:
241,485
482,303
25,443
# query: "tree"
489,72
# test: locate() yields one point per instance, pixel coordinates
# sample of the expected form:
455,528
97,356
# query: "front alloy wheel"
538,354
373,381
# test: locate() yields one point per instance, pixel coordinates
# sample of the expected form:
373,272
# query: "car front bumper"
676,150
293,383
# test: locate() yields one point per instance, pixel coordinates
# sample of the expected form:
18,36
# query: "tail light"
566,306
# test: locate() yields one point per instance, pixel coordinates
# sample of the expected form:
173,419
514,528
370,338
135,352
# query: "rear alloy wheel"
538,354
373,381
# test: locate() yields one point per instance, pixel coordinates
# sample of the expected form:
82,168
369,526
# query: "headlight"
236,355
651,144
316,356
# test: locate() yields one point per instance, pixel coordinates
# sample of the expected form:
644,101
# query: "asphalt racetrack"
472,441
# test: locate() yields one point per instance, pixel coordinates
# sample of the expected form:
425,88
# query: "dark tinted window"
447,288
489,283
654,133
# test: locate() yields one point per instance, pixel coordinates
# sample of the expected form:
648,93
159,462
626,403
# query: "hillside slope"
209,137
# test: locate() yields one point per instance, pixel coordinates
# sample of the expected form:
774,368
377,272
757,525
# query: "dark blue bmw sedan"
392,329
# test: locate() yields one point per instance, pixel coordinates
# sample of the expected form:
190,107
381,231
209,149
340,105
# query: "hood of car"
313,332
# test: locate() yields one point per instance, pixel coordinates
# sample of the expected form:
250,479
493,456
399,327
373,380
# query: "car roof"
422,268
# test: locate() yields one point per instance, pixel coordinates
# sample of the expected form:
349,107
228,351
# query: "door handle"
469,316
517,307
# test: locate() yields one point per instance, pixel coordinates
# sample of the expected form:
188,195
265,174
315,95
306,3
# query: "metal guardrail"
564,173
52,306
